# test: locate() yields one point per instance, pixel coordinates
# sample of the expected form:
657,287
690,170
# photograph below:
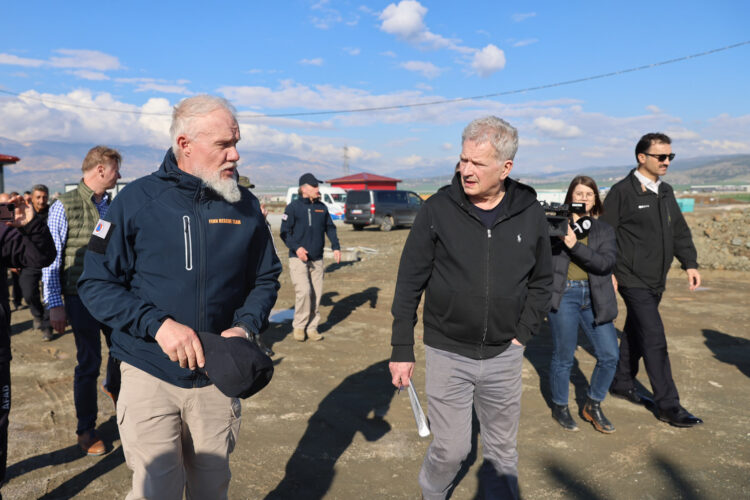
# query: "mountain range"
57,163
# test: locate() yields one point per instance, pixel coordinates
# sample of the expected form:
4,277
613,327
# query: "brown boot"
314,335
299,334
91,444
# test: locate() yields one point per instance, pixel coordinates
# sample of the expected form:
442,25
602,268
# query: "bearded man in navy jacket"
180,251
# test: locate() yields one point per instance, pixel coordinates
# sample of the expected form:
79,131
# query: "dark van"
386,209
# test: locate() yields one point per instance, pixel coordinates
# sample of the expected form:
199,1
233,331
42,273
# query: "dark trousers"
89,356
643,337
29,281
4,412
17,294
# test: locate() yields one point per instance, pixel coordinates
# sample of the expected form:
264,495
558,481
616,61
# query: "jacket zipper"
486,293
202,268
309,218
188,243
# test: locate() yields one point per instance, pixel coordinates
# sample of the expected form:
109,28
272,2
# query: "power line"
399,106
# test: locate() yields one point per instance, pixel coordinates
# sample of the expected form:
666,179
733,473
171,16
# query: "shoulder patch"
284,217
100,237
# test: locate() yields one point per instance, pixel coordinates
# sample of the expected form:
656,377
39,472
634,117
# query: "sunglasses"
662,157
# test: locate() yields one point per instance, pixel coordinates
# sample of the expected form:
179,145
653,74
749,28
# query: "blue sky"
71,63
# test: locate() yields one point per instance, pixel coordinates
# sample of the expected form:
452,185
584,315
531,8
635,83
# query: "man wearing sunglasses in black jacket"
650,232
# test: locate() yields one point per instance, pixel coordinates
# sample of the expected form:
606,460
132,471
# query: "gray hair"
185,113
40,187
499,133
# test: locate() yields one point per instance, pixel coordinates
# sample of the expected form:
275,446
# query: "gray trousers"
454,384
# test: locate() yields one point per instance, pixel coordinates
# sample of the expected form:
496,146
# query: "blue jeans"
574,310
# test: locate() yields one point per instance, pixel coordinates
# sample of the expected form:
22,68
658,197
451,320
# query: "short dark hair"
40,187
647,140
587,181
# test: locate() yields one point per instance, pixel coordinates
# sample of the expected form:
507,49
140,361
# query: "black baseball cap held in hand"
310,179
236,366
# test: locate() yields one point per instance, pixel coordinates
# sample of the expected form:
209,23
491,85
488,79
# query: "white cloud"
525,42
74,117
69,59
446,146
522,17
86,59
20,61
318,61
423,86
164,88
488,60
327,16
411,160
654,109
555,128
426,69
90,75
388,53
406,21
727,147
352,51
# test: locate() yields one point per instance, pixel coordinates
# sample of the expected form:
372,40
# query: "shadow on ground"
343,307
576,486
341,414
729,349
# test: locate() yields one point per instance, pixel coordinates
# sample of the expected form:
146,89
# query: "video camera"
558,216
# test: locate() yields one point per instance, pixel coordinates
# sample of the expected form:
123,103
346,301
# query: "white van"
332,197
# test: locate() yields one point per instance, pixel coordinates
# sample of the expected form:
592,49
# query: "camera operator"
583,294
25,241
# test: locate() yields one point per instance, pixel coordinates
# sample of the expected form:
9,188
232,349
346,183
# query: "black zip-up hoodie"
483,287
176,249
650,232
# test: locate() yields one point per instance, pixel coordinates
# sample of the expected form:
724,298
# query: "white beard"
226,188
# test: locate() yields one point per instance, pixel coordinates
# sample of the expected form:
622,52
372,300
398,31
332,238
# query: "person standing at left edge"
24,242
304,225
181,251
480,251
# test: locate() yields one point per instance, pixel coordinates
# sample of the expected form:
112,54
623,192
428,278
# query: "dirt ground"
330,424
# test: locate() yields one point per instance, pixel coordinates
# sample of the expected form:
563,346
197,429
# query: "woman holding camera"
583,295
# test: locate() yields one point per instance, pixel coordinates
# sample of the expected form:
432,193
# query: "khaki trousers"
307,278
176,439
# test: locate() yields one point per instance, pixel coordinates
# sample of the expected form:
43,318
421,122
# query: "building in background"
364,180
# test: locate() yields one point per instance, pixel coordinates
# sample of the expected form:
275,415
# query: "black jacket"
483,287
598,260
304,224
27,246
650,231
176,249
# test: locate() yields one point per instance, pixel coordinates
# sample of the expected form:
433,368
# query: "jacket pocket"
504,313
457,315
188,243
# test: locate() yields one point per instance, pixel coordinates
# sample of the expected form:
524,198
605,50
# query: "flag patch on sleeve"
100,237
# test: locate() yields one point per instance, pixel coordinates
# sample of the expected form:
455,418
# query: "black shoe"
678,416
47,334
563,417
630,395
592,412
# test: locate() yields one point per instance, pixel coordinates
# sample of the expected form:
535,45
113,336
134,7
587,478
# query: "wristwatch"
248,334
